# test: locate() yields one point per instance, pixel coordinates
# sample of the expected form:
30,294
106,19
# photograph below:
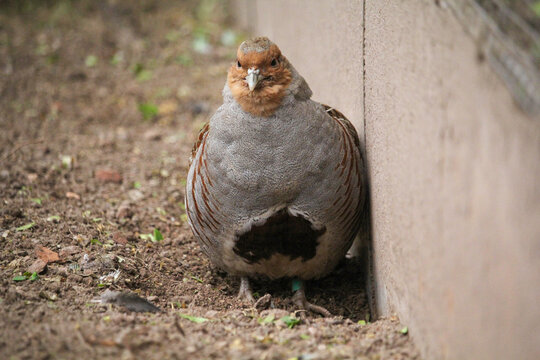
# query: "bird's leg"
245,290
299,299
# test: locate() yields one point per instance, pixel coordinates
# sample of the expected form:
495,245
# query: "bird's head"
259,77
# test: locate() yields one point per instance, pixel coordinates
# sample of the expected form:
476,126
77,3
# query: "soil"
100,104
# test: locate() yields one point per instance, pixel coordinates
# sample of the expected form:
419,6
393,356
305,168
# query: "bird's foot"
245,290
263,302
246,294
299,299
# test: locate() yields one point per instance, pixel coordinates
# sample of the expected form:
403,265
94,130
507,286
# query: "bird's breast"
260,163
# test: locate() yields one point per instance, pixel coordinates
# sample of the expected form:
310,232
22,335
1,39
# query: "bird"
276,186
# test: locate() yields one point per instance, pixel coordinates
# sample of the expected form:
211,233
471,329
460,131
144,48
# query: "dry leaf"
48,256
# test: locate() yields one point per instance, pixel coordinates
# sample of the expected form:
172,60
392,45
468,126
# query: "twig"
18,147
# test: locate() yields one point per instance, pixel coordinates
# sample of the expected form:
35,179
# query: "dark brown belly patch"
282,233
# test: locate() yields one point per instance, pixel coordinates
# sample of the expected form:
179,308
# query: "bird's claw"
263,302
299,299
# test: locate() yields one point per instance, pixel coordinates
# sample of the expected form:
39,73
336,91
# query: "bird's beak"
253,78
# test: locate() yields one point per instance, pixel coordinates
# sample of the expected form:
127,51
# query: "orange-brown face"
260,76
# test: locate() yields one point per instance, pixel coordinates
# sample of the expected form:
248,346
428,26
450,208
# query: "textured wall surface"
454,167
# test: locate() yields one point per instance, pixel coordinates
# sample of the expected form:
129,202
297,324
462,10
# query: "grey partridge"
276,186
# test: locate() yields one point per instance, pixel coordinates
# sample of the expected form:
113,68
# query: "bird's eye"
238,63
274,62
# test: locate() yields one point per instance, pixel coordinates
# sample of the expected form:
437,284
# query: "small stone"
135,195
75,278
37,266
72,195
48,296
62,271
124,210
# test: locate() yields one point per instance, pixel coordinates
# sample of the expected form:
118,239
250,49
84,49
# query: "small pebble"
135,195
53,286
124,210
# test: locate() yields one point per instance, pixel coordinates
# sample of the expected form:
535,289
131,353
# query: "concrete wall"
454,166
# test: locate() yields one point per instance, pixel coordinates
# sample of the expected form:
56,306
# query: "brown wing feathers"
349,173
198,142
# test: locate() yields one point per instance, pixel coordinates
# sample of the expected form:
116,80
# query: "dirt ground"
100,103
